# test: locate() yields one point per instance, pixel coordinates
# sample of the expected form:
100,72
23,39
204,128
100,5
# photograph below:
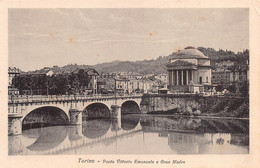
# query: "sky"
46,37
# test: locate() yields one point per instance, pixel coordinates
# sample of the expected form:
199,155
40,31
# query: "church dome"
189,52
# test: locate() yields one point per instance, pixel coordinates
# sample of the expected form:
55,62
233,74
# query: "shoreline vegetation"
196,116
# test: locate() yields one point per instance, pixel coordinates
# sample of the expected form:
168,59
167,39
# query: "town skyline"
47,37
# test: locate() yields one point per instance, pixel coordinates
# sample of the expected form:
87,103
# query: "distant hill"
142,67
156,66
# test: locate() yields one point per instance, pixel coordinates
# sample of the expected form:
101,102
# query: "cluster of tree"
54,85
241,63
240,59
241,88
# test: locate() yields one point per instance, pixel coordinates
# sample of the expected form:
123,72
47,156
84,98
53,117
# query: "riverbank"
197,116
190,105
226,107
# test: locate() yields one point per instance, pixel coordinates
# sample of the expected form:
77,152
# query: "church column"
173,77
177,77
170,80
181,77
191,75
187,77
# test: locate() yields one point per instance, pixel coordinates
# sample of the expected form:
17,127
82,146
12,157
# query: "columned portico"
184,69
184,79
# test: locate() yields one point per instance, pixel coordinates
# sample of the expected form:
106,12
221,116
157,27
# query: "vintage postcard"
130,84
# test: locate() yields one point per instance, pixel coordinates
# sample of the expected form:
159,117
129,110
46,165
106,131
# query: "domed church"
189,71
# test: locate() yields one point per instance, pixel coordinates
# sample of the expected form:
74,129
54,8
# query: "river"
136,134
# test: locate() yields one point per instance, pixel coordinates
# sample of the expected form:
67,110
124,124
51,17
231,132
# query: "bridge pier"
116,114
75,133
14,124
116,125
115,111
75,116
15,144
144,107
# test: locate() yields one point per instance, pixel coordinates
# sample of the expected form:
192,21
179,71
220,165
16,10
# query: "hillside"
157,66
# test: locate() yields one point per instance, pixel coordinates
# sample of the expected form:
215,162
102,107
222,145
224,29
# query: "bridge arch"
96,110
129,120
44,116
130,107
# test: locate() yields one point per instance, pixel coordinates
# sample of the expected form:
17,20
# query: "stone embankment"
191,104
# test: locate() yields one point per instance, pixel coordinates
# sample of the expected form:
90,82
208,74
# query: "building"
122,85
13,91
146,85
93,74
106,85
130,75
109,75
221,76
229,73
13,73
143,85
163,91
162,77
189,71
239,76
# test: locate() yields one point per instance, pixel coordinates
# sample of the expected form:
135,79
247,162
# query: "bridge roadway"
72,106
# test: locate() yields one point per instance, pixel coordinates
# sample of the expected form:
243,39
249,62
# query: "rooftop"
189,52
180,64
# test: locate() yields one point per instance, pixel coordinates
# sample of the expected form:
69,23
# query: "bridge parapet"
65,98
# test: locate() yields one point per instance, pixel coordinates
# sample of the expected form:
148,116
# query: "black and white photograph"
144,81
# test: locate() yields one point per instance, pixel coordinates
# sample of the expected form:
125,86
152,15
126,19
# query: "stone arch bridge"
71,107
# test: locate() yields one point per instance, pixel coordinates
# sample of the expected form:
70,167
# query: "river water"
136,134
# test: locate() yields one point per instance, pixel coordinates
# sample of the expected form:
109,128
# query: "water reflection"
198,125
137,134
95,128
75,133
129,121
49,138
